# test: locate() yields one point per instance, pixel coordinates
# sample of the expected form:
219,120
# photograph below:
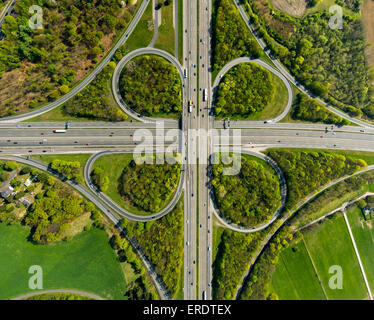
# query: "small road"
265,65
358,256
82,293
156,22
290,78
272,232
123,212
283,187
160,286
80,86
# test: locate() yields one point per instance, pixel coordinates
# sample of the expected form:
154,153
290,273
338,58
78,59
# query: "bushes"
151,86
310,110
95,101
70,170
231,38
249,198
148,186
162,242
245,89
234,254
306,172
100,179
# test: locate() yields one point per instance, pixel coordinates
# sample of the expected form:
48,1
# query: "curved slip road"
82,293
160,285
117,74
290,78
274,71
123,212
262,226
80,86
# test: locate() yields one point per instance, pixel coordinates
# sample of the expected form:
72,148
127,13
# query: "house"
27,182
25,202
368,212
7,191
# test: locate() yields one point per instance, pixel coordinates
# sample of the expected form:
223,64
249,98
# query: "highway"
189,122
205,122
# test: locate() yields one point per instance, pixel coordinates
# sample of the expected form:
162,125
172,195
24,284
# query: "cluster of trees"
234,253
308,109
100,179
69,169
308,48
95,101
249,198
151,86
138,289
231,38
69,43
306,172
307,213
258,285
245,89
162,243
148,186
354,5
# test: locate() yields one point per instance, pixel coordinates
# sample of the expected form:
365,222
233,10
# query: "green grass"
81,158
294,277
324,5
364,237
180,31
273,109
166,34
113,165
66,265
141,36
59,296
329,244
217,234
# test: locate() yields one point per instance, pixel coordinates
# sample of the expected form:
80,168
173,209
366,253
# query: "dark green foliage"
306,172
245,89
231,38
70,170
71,39
148,186
331,63
95,102
151,86
354,5
310,110
162,242
100,179
234,253
249,198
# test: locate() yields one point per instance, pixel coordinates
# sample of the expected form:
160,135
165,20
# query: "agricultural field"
324,245
66,265
364,236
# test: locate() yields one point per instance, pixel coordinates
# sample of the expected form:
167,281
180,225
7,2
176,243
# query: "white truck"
59,131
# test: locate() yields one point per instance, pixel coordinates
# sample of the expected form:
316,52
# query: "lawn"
364,237
81,158
180,31
113,165
294,277
66,265
166,34
141,36
329,244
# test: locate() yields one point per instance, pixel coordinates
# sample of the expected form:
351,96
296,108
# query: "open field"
329,244
66,265
295,8
166,35
295,277
364,237
143,33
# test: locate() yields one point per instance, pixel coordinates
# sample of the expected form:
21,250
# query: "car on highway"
42,133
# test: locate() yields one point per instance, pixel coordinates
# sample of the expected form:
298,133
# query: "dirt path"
368,14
